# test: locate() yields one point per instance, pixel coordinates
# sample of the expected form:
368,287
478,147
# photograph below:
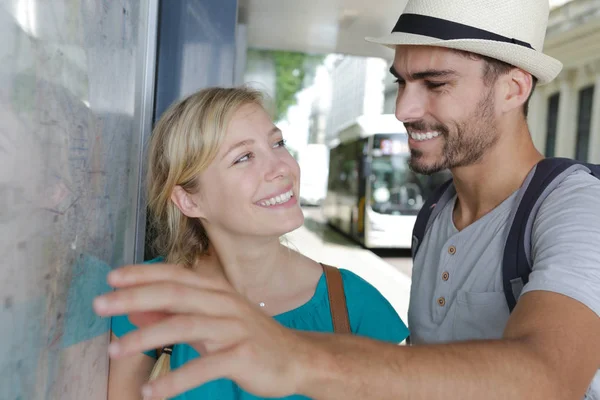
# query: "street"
315,222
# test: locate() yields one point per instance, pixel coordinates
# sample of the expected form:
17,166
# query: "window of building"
551,124
584,122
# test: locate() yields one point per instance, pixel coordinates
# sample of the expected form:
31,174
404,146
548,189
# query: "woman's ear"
186,203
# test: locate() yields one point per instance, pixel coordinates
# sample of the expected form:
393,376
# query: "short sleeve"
120,324
566,242
371,315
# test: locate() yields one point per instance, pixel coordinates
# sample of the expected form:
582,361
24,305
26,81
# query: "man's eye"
399,82
435,85
280,143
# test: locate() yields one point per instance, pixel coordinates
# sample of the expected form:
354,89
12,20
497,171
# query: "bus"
372,195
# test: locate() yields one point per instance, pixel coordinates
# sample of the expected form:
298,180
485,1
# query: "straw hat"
512,31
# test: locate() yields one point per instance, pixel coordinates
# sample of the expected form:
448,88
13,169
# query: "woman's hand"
171,304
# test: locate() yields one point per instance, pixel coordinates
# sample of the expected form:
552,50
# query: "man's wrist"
316,366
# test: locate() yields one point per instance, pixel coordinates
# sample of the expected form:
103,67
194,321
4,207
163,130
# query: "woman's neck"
264,271
253,267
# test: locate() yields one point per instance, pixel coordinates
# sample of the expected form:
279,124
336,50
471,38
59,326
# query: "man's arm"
551,347
550,350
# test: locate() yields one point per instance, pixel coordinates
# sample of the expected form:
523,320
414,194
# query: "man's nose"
410,104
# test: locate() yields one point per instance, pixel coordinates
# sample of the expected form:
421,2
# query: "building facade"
564,115
357,90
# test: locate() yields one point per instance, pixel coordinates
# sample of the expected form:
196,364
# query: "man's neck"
482,187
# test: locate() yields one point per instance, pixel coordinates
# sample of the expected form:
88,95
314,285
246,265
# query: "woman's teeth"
424,136
280,199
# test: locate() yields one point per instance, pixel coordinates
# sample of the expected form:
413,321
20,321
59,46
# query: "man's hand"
171,304
550,349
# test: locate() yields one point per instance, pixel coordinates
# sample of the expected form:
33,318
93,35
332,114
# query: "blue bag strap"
425,214
517,264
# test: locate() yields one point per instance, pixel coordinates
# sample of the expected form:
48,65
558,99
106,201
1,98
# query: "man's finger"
132,275
192,374
212,333
142,319
166,297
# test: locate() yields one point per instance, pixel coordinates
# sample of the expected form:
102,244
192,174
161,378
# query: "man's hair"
493,69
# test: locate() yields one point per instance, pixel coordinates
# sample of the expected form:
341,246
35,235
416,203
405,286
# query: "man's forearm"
357,368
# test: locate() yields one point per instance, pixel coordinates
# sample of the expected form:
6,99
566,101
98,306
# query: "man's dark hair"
493,69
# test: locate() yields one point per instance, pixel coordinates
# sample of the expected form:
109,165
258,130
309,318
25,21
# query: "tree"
293,72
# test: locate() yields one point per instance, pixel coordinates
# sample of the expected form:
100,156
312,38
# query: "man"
466,70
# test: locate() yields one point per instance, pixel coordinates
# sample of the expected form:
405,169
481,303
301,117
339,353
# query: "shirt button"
441,302
452,250
445,276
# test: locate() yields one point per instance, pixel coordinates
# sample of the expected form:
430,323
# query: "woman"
223,189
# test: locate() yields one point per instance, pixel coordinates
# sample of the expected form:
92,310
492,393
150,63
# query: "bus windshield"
395,189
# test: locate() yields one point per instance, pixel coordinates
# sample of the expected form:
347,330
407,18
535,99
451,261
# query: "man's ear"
186,203
517,86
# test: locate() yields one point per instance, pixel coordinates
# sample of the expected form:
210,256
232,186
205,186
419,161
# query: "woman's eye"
243,158
280,143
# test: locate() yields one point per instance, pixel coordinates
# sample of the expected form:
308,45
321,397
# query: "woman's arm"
127,375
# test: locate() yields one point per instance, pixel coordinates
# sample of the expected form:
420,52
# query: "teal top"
370,315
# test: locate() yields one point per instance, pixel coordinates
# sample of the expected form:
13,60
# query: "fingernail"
115,276
146,391
100,304
114,349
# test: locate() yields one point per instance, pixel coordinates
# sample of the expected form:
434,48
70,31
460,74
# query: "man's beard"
472,138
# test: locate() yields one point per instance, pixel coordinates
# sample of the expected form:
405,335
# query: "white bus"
372,195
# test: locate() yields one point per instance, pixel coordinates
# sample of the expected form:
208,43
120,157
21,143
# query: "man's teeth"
424,136
280,199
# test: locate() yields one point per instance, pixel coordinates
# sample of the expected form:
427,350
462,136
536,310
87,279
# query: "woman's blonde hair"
184,142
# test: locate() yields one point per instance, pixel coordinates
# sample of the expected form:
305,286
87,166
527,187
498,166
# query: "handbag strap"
337,299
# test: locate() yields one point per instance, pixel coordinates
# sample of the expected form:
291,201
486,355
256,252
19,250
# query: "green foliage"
291,72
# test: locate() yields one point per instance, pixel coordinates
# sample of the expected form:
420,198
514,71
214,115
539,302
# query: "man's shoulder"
579,177
578,190
566,241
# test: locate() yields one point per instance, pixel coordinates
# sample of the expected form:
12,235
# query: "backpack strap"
428,213
543,178
337,299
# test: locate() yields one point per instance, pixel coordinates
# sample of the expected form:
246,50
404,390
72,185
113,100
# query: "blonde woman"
223,189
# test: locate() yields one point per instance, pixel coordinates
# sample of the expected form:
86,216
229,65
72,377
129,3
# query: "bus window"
395,189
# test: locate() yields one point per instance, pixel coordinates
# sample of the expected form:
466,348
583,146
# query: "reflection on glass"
395,189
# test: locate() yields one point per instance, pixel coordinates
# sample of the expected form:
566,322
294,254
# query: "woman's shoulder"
371,314
155,260
355,283
360,292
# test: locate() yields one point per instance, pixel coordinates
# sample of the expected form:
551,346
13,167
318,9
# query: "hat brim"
538,64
